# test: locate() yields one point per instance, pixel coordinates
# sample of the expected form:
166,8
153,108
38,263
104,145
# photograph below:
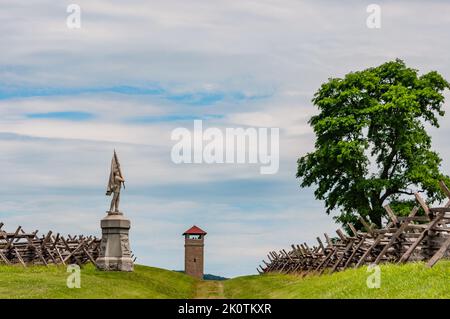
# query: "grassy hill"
412,280
50,282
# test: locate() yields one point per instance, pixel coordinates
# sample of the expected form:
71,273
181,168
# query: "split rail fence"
411,238
24,248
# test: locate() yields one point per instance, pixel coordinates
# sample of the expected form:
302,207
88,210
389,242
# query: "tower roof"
194,230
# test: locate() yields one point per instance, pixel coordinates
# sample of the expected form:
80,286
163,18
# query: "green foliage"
411,280
50,282
371,140
404,207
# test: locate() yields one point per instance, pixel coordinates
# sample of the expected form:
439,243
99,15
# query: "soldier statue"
114,253
115,184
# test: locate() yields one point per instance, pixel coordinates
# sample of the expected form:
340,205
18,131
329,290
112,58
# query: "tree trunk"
376,211
375,216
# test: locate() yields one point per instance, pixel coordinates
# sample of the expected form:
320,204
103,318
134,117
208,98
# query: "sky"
134,72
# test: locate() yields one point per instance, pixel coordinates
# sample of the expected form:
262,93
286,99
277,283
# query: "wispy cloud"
194,98
68,115
134,72
174,118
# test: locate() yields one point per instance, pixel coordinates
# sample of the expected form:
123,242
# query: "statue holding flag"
115,252
115,184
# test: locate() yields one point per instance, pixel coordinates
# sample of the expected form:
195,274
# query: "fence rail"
24,248
411,238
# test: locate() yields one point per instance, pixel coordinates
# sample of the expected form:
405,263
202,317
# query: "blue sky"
131,74
65,115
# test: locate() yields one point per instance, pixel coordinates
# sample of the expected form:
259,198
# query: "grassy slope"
406,281
411,280
210,289
50,282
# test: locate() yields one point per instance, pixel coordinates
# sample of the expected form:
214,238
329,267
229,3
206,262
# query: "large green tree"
372,144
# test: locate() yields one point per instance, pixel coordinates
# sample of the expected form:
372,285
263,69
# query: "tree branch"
410,192
390,192
394,166
388,162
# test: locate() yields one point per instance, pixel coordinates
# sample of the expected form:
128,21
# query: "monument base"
115,254
115,263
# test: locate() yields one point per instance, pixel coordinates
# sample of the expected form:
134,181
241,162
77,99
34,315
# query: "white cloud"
54,172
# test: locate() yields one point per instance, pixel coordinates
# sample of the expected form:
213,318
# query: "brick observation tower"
193,251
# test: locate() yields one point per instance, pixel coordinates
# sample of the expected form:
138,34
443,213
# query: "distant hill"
207,276
213,277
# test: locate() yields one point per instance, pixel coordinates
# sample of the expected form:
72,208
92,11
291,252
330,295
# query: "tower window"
195,260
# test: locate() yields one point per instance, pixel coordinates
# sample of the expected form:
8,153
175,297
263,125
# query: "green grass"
50,282
412,280
209,289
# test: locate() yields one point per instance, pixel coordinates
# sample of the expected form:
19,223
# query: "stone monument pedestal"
115,252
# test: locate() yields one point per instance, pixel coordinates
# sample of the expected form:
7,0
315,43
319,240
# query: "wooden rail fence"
403,239
24,248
